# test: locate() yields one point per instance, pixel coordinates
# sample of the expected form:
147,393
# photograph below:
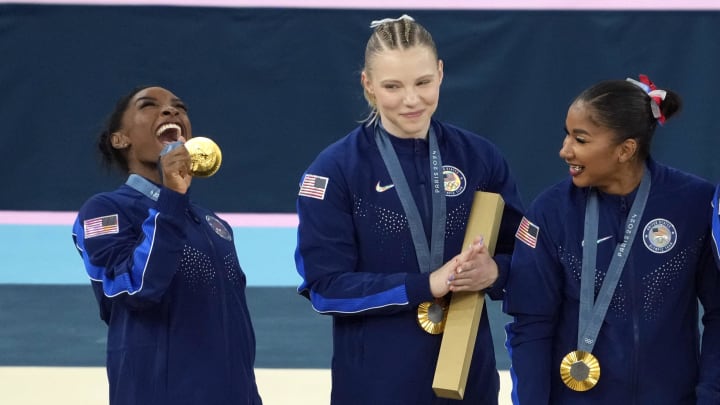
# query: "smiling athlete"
383,213
609,265
164,270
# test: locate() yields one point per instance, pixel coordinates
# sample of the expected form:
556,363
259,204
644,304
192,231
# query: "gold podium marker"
463,318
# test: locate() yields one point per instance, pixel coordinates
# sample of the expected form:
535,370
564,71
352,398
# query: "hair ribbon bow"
657,96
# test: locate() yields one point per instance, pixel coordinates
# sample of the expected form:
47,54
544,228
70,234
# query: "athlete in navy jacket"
648,346
356,253
164,270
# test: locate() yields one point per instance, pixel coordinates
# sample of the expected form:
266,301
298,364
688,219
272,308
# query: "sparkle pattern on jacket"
170,288
358,263
648,346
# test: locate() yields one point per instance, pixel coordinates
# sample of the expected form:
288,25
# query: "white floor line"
88,386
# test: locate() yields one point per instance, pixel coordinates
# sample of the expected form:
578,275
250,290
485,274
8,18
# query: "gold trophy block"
463,318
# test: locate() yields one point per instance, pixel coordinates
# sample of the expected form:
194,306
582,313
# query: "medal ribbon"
429,258
593,314
144,186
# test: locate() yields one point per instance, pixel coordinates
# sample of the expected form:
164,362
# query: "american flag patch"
528,232
101,226
314,186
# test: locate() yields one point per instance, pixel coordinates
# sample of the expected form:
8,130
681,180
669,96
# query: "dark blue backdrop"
274,86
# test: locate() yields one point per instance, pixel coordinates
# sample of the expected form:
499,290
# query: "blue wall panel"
274,86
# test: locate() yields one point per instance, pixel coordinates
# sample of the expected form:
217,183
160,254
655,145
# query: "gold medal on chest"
580,370
431,316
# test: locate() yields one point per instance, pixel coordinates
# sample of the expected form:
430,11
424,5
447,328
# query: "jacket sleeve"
532,298
327,259
708,284
131,263
504,184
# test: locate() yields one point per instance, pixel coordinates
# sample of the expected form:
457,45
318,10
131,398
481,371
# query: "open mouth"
575,169
168,133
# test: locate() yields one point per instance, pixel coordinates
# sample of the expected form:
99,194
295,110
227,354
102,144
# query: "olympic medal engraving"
205,156
580,370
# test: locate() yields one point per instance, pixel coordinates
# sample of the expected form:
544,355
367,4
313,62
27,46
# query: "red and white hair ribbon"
657,96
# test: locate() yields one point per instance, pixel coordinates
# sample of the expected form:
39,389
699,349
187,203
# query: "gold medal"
205,156
580,370
431,316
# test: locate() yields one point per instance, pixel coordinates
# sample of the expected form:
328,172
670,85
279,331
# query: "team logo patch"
659,235
454,181
218,227
101,226
313,186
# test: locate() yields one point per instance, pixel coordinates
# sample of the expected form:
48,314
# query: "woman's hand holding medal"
175,167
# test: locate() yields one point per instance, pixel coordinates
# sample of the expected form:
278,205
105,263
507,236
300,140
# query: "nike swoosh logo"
382,189
598,241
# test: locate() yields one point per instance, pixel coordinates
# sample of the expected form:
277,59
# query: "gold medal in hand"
205,156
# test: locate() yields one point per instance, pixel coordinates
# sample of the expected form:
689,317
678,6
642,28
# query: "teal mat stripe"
44,254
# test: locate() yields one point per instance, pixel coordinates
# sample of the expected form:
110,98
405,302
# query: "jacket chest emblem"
218,227
659,235
454,181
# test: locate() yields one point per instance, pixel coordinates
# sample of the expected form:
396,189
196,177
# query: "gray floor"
58,325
